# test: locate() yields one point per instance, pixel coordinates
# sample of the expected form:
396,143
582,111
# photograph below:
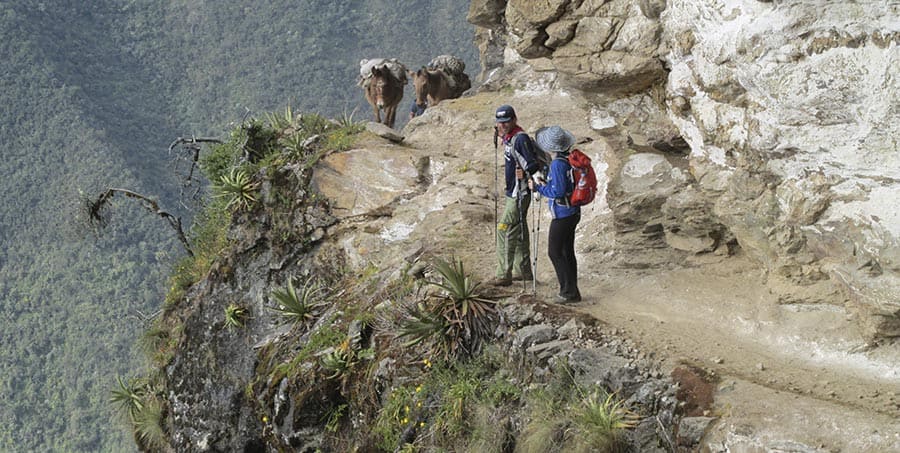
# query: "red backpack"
584,180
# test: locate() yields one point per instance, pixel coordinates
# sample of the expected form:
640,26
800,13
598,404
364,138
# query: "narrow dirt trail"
789,372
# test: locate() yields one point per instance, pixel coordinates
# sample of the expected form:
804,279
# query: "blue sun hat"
554,139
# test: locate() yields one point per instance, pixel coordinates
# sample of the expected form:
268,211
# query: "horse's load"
454,67
391,64
448,63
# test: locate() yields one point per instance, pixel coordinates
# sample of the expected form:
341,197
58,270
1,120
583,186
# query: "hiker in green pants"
520,164
513,256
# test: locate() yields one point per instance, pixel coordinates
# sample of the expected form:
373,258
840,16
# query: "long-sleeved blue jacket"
558,188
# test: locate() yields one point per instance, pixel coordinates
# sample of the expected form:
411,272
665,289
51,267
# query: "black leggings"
561,249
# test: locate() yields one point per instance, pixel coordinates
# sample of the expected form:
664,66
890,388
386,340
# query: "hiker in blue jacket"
520,166
561,242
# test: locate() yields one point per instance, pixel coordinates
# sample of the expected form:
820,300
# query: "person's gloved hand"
538,178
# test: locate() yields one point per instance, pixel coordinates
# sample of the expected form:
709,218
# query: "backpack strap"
520,159
570,182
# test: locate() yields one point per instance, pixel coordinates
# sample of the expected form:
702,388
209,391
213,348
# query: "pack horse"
443,78
383,81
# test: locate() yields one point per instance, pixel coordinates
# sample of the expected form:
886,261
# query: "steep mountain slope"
746,230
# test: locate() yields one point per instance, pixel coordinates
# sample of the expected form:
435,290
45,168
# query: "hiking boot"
560,299
500,281
527,278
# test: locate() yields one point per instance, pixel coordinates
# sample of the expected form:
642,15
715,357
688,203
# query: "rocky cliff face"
772,127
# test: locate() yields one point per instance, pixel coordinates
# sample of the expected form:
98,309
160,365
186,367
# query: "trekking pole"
496,189
536,228
521,223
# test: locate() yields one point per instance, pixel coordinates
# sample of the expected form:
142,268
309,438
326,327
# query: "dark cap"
505,113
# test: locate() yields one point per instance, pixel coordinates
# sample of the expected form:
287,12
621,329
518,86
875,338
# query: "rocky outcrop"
761,125
789,111
596,46
368,182
596,357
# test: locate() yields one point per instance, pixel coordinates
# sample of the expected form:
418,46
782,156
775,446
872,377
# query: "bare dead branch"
192,140
192,145
95,212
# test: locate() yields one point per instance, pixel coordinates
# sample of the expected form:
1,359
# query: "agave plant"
423,323
147,424
235,315
129,395
293,143
313,124
238,188
144,409
346,120
601,421
281,122
340,360
299,306
458,286
456,319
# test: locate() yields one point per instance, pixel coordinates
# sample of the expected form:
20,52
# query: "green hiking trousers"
513,255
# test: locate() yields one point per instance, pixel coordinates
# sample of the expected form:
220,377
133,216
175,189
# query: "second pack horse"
443,78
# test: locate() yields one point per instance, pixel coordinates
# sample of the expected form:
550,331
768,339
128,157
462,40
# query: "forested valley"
93,94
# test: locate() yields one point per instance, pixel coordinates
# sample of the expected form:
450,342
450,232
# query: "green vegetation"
237,188
92,96
340,360
564,417
456,321
600,420
148,425
262,142
298,307
129,395
208,237
438,391
235,315
455,403
144,409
